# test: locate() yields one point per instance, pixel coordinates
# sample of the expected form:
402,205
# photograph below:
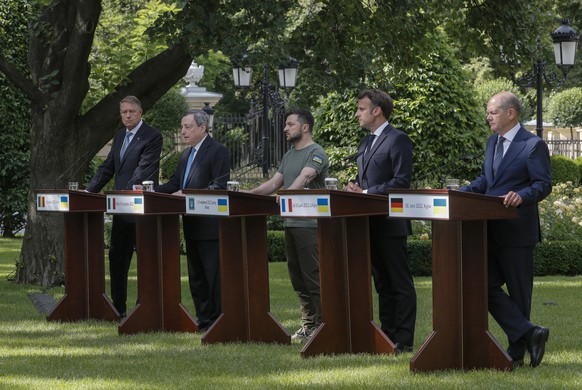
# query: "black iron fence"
243,137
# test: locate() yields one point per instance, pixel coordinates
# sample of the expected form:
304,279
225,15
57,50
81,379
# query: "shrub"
564,169
578,162
276,246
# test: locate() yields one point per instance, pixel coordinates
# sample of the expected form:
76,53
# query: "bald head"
503,112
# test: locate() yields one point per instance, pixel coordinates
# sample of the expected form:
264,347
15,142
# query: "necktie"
126,141
188,166
369,143
498,154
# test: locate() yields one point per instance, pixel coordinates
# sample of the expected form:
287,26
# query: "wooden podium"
344,269
244,266
460,338
159,306
84,264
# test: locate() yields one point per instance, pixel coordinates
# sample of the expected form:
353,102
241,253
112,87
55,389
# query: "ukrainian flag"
137,203
322,205
439,206
64,202
223,205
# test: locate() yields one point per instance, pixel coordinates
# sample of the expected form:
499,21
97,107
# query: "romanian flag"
439,206
111,203
41,202
322,205
137,203
286,205
64,202
223,205
396,205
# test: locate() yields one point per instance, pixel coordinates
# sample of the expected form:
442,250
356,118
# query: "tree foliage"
14,122
565,108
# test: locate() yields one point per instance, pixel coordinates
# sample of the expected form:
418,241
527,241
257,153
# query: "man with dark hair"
517,169
133,158
205,164
304,166
385,162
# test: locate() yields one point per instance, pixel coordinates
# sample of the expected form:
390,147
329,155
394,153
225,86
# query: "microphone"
250,166
171,152
464,158
258,158
354,156
82,157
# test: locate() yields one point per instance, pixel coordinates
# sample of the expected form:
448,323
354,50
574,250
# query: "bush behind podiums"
550,257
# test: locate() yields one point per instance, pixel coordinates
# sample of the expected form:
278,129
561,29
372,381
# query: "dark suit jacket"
210,169
387,165
141,160
525,169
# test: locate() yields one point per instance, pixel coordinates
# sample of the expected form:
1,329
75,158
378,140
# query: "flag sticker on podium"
396,205
64,202
286,205
322,205
41,202
138,204
111,203
222,205
439,206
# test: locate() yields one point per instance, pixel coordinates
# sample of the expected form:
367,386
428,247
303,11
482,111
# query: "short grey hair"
200,117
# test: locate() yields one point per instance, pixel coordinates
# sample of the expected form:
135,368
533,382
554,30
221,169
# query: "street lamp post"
269,97
565,40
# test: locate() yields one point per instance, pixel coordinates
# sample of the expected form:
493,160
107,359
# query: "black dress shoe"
402,348
536,344
517,363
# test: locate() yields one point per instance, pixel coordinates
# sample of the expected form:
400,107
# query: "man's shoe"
536,344
402,348
300,335
517,363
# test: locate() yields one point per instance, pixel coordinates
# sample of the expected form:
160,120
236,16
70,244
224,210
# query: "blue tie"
188,166
126,142
498,154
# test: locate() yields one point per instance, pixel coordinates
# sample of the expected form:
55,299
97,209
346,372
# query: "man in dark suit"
205,164
133,158
385,162
516,168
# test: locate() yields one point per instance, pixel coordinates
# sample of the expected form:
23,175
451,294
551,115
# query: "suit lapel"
515,147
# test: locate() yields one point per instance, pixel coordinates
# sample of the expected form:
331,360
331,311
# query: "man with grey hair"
205,164
133,158
516,169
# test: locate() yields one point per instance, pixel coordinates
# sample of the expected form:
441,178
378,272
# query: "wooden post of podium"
84,263
460,338
159,306
244,265
344,269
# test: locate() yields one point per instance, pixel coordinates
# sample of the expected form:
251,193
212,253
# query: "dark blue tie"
498,154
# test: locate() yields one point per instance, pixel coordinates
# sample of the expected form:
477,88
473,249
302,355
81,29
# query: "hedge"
550,257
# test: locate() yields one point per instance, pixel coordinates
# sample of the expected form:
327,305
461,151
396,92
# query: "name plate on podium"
52,202
419,206
125,204
305,205
207,204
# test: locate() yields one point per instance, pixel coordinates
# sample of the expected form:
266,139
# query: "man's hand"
353,187
512,199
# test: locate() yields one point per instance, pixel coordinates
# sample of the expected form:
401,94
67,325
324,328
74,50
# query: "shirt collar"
510,135
380,129
136,128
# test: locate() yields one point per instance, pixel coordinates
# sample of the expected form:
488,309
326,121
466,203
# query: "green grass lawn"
36,354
